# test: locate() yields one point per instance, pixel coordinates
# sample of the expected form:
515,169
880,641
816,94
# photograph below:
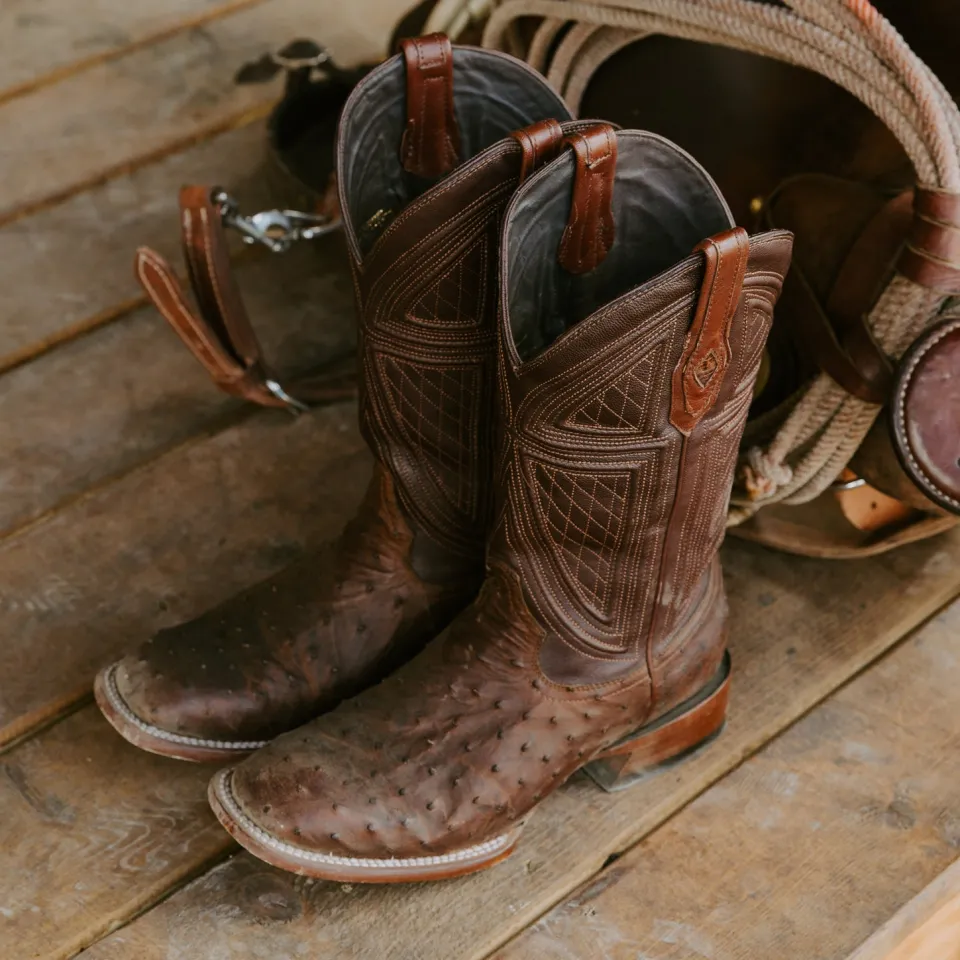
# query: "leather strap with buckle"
219,332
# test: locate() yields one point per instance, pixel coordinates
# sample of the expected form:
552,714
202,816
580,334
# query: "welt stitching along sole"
112,692
223,790
479,856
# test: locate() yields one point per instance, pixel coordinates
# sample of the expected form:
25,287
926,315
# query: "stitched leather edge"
223,789
113,694
900,436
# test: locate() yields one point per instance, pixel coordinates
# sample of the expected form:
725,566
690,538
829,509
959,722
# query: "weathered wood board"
799,631
806,848
92,829
43,40
103,403
926,928
124,112
70,267
166,542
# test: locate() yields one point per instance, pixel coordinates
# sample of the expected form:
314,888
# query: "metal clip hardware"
851,484
300,55
277,230
295,406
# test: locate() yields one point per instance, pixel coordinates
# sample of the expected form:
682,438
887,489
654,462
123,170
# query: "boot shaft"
426,166
627,366
625,373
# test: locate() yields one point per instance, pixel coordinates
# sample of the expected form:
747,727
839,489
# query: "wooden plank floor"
806,848
133,495
927,928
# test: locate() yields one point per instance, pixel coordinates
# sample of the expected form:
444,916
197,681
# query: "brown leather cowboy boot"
426,165
627,364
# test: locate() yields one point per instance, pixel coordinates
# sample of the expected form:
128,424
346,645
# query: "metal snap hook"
296,407
277,230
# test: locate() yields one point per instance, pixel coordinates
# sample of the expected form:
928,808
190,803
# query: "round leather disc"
925,413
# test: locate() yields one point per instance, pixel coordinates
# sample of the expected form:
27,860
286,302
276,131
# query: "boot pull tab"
698,376
589,233
430,146
539,143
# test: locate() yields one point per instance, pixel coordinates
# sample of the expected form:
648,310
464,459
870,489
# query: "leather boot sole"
154,739
666,740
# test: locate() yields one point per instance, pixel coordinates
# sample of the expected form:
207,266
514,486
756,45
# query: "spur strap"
219,332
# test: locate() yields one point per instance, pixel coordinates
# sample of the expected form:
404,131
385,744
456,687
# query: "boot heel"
671,738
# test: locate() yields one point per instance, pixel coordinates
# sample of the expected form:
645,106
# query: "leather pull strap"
208,263
160,284
698,376
931,257
590,231
539,143
221,337
430,146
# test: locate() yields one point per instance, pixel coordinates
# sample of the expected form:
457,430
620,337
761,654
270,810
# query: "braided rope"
542,41
847,41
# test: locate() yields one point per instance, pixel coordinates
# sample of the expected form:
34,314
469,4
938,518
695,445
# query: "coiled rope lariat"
847,41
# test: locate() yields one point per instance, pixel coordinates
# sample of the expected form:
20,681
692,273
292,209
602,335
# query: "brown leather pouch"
924,414
905,477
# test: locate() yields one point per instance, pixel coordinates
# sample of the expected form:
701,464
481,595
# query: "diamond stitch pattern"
584,516
753,340
627,402
435,407
457,297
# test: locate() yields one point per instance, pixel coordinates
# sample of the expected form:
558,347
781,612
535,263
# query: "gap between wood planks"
126,393
52,199
157,548
167,542
926,928
66,70
54,254
808,846
798,634
133,109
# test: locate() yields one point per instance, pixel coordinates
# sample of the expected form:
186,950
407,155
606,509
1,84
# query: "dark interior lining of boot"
493,96
664,204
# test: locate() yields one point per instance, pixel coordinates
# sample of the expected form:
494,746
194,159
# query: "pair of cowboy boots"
560,331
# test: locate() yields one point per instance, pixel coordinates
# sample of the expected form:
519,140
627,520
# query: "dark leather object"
302,127
431,140
540,143
931,257
603,608
849,240
288,648
426,290
706,354
925,413
589,233
838,273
